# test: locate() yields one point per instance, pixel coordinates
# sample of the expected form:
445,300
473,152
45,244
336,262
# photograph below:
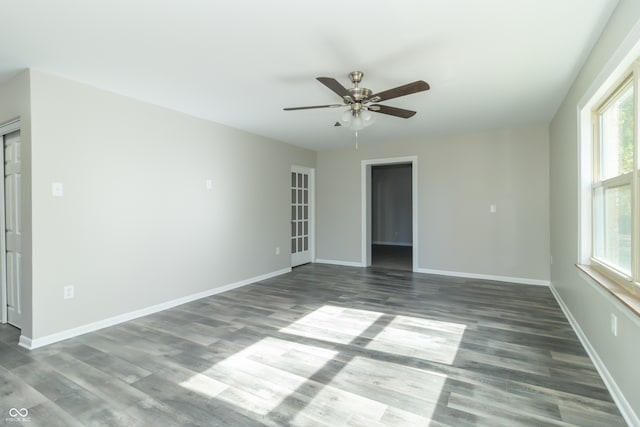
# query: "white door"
13,227
301,215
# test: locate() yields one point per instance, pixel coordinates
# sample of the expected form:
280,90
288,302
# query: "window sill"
632,302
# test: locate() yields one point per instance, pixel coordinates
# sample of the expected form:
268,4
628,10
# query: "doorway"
302,215
391,217
10,221
394,242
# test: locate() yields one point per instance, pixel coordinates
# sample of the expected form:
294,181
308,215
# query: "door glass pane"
616,123
306,228
299,243
293,196
293,179
299,196
306,197
293,229
299,180
613,227
299,212
293,246
306,243
306,181
300,229
306,212
293,213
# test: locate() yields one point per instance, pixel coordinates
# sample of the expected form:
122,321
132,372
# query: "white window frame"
630,78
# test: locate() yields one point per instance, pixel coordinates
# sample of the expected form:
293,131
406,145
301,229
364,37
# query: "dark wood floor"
323,345
392,257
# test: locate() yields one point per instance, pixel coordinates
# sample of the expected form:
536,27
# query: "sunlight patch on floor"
257,378
425,339
385,386
204,385
333,324
273,375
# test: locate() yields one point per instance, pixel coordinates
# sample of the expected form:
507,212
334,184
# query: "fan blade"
313,106
408,89
392,111
335,86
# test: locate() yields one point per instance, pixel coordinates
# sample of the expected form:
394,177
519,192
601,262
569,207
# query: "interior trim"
627,302
517,280
365,189
623,405
31,344
337,262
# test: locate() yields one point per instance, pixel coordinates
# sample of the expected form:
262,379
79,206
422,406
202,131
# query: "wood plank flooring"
321,346
392,257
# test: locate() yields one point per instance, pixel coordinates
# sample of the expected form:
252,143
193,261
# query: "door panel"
301,228
13,227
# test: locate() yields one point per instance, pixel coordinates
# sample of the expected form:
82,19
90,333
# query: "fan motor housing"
360,93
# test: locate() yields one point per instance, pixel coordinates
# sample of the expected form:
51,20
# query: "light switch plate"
57,189
493,208
68,292
209,184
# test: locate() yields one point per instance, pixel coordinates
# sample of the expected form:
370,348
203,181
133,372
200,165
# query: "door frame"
5,129
366,204
312,210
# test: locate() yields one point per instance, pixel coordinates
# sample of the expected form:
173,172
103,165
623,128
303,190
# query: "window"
616,185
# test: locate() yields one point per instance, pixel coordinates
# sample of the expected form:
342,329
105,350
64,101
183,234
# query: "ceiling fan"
361,100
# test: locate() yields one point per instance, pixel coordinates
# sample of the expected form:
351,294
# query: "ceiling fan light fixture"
346,117
361,101
367,118
356,123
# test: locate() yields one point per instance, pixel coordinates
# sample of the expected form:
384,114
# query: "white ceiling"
491,63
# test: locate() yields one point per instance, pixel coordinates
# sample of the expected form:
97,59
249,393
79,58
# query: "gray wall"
459,177
391,205
137,226
591,308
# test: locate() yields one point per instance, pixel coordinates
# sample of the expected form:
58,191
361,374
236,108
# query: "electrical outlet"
614,325
278,250
68,292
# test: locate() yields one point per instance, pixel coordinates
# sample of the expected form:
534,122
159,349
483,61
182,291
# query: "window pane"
617,136
612,216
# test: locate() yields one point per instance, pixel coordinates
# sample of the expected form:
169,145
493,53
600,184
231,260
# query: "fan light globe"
367,118
356,123
346,117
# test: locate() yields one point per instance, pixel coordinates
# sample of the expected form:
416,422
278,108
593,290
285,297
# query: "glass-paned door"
301,211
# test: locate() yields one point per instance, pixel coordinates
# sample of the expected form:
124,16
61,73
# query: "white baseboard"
100,324
627,411
336,262
520,280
